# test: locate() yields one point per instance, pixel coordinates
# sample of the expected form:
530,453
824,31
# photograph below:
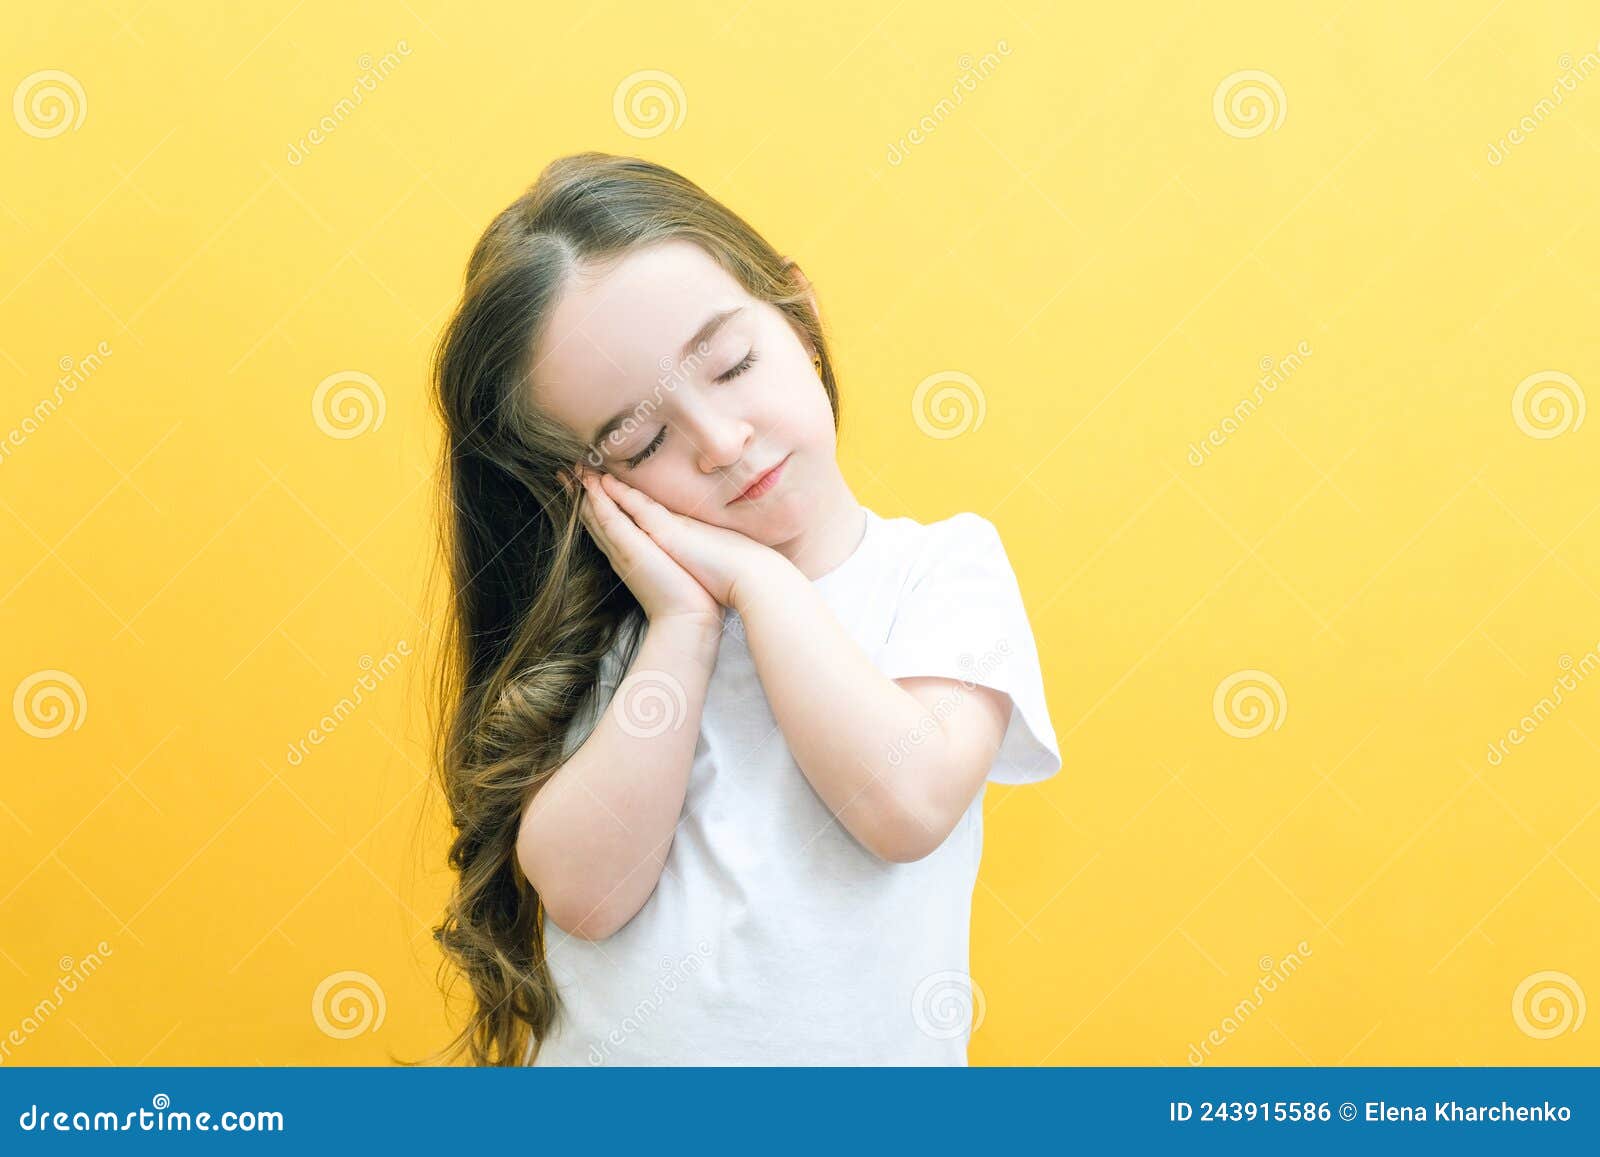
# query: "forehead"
616,331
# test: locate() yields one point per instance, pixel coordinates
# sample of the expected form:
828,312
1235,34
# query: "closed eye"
655,444
749,360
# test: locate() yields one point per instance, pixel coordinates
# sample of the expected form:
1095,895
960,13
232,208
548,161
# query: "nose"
719,436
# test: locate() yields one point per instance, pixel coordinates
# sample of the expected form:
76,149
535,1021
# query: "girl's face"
689,389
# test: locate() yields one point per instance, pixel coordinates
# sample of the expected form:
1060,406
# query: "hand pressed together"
674,564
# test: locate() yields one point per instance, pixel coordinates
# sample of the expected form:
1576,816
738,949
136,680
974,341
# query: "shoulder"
960,552
967,528
965,536
964,527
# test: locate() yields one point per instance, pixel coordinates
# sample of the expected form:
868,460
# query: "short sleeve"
961,617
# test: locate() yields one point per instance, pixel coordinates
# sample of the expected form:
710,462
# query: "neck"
833,535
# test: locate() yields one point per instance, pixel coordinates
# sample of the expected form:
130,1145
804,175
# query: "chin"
769,536
773,525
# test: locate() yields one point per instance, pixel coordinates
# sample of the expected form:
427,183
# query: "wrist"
695,632
765,573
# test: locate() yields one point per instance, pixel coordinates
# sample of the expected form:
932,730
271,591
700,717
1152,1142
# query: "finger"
628,547
617,523
586,511
605,503
655,519
591,524
595,535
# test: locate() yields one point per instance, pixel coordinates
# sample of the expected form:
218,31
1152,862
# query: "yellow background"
1081,236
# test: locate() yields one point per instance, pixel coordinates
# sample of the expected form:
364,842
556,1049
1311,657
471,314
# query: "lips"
763,484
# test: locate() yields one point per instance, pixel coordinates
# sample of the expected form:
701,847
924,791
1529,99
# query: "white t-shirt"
773,936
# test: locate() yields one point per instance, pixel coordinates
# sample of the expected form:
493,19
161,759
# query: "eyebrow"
705,333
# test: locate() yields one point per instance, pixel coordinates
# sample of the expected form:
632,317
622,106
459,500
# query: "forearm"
863,742
595,837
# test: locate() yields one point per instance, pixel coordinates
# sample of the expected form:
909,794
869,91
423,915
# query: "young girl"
716,734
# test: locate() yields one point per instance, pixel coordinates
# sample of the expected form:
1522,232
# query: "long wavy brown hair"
532,603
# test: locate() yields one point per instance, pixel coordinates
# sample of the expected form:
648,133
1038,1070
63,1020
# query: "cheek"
814,424
804,418
688,492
